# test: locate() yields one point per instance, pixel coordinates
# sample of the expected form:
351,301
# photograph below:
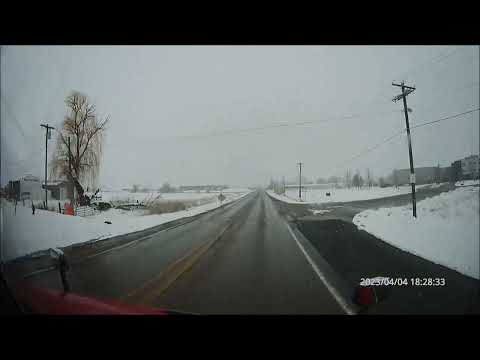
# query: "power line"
433,103
286,124
377,145
302,123
438,58
370,149
443,119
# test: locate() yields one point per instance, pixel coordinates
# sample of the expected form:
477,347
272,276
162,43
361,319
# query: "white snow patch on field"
446,230
319,196
23,233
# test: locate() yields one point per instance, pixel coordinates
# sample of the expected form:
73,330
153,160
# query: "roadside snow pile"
434,186
284,198
321,212
467,183
446,230
25,233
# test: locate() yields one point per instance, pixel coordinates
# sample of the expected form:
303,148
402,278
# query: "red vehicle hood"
54,302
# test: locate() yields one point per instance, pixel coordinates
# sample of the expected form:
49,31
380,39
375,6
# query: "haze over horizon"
240,115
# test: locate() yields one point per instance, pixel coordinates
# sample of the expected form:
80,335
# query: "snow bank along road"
241,258
356,254
25,234
446,230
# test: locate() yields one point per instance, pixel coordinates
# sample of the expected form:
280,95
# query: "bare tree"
395,177
348,178
369,177
135,188
271,185
80,163
381,181
357,180
167,188
437,174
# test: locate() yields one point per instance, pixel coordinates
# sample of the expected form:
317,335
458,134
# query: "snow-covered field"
467,182
128,197
314,196
25,233
122,196
446,230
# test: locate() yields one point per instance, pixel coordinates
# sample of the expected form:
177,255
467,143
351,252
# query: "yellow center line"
154,287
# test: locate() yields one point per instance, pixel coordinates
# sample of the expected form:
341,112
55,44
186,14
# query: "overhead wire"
383,142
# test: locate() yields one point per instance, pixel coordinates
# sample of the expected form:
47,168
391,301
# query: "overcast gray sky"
163,99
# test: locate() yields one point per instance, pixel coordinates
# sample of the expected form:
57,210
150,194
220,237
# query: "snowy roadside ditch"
24,234
446,230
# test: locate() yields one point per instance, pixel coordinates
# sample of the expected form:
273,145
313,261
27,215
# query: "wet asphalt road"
254,267
355,254
242,259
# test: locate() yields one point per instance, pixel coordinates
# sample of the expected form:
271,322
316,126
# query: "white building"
31,188
57,189
470,167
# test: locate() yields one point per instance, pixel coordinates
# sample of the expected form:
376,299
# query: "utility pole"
300,182
406,90
284,185
72,187
47,136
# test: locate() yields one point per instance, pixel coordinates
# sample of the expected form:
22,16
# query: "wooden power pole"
300,182
47,136
406,90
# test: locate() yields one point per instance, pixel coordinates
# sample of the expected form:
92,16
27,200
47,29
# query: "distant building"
12,190
470,166
58,189
423,175
28,187
463,169
456,171
32,188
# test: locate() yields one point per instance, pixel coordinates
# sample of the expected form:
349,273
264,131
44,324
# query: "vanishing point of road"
257,255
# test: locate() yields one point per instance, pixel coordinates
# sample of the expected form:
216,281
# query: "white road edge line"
329,286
